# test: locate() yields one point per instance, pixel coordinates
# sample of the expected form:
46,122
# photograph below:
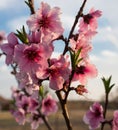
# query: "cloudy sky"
14,13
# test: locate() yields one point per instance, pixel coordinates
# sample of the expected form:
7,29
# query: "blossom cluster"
32,109
30,55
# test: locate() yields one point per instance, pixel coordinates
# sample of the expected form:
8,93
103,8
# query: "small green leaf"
77,54
107,85
75,58
72,54
22,35
41,91
79,60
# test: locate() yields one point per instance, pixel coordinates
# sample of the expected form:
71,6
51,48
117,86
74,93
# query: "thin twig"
46,123
45,120
30,3
79,14
105,109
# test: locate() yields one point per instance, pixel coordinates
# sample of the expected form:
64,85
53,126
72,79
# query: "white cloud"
5,4
11,4
109,54
107,65
107,35
113,39
106,61
6,81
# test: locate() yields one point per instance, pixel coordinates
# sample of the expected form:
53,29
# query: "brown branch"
77,18
30,3
63,101
46,123
45,120
79,14
64,110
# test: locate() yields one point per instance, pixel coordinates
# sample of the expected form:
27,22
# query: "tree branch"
64,110
30,3
79,14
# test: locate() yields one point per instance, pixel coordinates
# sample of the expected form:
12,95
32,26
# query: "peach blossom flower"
115,120
31,58
94,116
49,105
58,73
89,21
84,71
46,20
8,48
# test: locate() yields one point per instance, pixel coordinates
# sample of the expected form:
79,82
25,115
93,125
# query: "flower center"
32,55
47,103
36,117
87,18
44,22
80,70
97,112
53,71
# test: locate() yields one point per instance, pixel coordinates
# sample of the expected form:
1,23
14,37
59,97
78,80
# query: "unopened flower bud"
81,89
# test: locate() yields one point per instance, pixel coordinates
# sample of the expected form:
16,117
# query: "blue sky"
14,13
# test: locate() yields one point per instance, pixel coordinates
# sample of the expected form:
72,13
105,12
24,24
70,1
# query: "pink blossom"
46,20
24,79
35,123
58,73
33,105
49,105
19,116
28,104
8,48
27,82
23,103
94,116
89,21
115,120
34,37
35,120
82,43
31,58
84,71
2,36
16,94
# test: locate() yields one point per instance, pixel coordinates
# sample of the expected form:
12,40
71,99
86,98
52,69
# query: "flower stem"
64,110
79,14
105,110
45,120
46,123
30,3
77,18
